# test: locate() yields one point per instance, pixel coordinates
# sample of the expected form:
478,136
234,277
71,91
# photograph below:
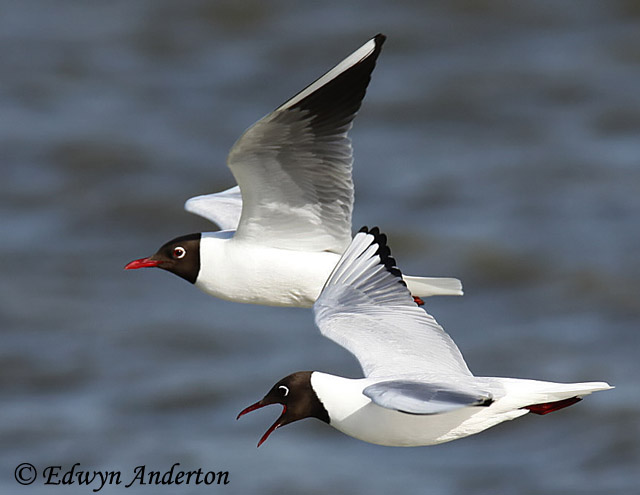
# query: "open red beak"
273,427
142,263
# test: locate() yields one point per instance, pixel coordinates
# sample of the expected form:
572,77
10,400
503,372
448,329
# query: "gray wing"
223,208
294,165
366,308
414,397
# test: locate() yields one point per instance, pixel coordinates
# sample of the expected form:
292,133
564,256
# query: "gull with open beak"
417,388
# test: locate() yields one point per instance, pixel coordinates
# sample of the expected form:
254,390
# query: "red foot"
552,406
418,301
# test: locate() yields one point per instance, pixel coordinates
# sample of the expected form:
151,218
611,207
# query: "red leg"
552,406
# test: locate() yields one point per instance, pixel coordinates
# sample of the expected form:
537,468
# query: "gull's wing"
294,165
413,397
223,208
424,398
366,308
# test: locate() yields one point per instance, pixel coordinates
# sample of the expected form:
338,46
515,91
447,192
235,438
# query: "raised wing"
366,308
294,165
223,208
424,398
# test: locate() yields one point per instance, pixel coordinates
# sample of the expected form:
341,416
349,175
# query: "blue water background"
499,142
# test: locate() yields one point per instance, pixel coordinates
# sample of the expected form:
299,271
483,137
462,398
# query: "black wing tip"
379,40
384,251
486,402
345,90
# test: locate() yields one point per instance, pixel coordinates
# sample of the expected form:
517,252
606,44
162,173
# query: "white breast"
355,415
249,273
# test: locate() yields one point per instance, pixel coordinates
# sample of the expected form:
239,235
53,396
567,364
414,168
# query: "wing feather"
294,165
223,208
414,397
366,307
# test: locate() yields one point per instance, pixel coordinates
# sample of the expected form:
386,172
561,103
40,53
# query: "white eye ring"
179,252
284,389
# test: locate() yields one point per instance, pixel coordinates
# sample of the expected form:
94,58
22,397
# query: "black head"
180,256
298,400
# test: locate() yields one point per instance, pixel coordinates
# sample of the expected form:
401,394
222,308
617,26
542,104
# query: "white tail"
542,397
433,286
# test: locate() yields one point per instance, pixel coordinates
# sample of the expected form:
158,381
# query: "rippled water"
498,143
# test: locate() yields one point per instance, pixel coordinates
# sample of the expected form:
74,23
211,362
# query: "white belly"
355,415
381,426
247,273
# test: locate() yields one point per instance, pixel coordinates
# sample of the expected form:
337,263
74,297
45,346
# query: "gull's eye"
285,390
179,252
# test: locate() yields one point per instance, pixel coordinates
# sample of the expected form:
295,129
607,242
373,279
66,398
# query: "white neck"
341,397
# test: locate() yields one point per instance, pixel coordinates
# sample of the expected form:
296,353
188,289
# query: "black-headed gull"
417,388
285,232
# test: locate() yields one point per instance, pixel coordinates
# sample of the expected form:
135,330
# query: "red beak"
142,263
273,427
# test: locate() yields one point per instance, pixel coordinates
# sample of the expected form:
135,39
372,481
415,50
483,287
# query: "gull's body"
417,388
356,415
289,219
235,270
